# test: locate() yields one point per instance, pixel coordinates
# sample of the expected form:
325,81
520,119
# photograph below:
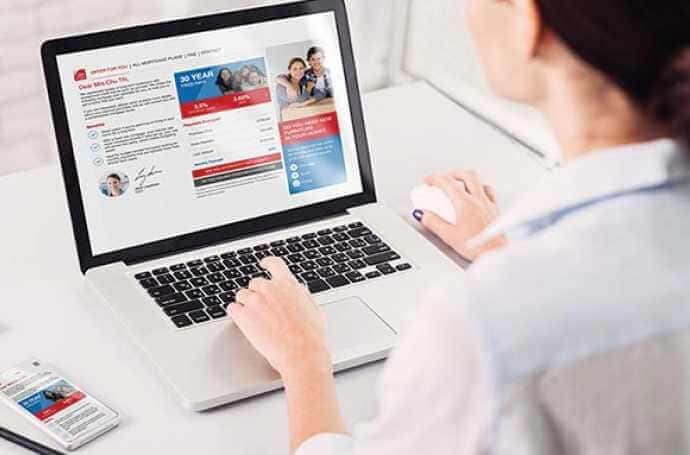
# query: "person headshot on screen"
224,81
595,260
318,76
291,88
255,79
240,78
113,186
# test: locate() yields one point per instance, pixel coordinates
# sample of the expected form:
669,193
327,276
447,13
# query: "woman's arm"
283,323
282,80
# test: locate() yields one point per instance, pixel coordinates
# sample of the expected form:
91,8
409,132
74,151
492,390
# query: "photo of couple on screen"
306,88
241,77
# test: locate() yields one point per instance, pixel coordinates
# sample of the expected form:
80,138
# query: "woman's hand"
475,208
282,322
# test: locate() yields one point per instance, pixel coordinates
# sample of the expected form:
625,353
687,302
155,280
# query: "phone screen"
66,412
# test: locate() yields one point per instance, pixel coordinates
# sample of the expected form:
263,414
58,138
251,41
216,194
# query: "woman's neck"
590,113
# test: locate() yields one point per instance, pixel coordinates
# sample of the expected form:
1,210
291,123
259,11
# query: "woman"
224,81
240,78
114,186
291,88
597,259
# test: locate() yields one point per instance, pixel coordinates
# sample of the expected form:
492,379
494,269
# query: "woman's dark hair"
223,85
114,176
643,46
314,50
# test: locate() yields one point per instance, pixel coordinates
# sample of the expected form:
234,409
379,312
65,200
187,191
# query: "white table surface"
47,312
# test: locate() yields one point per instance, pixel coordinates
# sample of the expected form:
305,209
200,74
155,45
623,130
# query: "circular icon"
93,134
95,147
295,175
98,162
293,167
113,184
296,183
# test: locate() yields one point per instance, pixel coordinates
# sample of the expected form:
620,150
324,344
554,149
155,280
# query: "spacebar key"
317,286
174,310
382,257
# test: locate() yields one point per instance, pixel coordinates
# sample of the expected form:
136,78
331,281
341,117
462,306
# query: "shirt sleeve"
433,394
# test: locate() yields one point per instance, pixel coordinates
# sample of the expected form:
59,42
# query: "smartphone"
57,406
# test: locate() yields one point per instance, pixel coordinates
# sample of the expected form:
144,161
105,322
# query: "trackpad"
353,329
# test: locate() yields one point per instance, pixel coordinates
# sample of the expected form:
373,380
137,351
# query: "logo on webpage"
80,75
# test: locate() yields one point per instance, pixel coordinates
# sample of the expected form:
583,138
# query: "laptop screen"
182,134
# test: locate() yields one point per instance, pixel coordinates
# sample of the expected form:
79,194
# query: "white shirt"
599,259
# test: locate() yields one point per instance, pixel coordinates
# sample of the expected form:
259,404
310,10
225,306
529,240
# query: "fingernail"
418,215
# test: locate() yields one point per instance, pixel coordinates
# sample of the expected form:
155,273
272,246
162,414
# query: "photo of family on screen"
241,77
303,84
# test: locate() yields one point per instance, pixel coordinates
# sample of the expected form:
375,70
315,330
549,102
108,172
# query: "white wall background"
392,38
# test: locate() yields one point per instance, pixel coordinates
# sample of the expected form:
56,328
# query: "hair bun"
670,97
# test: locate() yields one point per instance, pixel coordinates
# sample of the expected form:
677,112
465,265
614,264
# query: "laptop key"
309,236
355,277
231,263
324,232
341,237
195,263
183,275
149,283
199,316
215,267
213,258
310,276
243,282
211,289
357,243
309,244
357,264
295,248
326,272
216,312
228,286
372,238
195,294
312,254
161,291
309,265
212,300
262,254
160,271
248,269
296,258
215,277
325,262
317,286
355,225
227,297
326,240
295,269
343,247
404,266
166,279
248,259
199,271
244,251
174,310
293,240
374,274
182,286
262,247
386,269
382,257
359,232
181,321
228,255
277,243
337,281
355,254
340,229
341,268
232,274
280,251
171,299
340,257
327,250
142,275
198,282
375,249
178,267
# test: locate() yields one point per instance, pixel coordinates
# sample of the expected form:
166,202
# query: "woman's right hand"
475,209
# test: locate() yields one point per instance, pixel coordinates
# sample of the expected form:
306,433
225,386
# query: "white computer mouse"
433,199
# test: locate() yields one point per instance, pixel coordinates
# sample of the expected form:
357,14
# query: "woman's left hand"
282,321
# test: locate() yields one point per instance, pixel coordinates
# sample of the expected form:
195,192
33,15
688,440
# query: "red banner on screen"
235,165
309,128
225,103
60,405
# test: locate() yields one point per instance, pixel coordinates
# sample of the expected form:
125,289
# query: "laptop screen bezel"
54,48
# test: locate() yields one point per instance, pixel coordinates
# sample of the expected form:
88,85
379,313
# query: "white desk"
47,312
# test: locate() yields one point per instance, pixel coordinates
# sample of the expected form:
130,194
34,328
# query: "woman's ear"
529,28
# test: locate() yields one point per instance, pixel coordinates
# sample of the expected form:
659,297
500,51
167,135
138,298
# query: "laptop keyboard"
200,290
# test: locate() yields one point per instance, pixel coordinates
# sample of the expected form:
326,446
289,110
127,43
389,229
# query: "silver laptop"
193,149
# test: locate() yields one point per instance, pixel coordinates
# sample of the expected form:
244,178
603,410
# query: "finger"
277,268
449,186
247,297
259,285
437,225
490,193
471,180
